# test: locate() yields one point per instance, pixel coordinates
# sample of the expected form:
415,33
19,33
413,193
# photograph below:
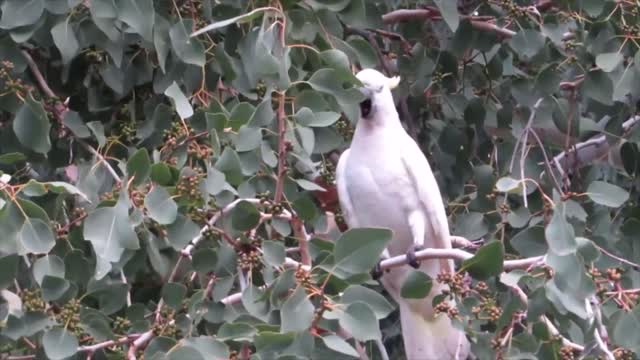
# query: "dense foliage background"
170,197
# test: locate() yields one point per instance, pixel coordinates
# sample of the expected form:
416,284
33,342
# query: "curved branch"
430,14
60,109
586,152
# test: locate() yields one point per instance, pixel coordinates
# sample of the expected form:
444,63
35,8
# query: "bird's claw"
376,272
411,257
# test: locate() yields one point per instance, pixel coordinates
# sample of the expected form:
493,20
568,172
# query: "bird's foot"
376,272
411,256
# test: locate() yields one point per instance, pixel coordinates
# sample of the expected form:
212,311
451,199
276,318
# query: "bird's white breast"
381,194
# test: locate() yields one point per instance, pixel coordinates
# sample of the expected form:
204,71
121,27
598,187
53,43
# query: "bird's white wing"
426,188
343,195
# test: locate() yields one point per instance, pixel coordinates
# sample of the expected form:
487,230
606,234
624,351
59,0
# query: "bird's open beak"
366,92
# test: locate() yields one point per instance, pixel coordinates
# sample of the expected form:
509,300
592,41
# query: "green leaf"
173,294
236,331
331,5
53,288
97,129
36,236
607,194
180,101
31,126
8,270
416,285
73,121
309,185
609,61
158,347
255,302
336,343
12,158
104,14
16,13
569,289
215,181
58,344
182,231
336,60
598,86
274,252
510,185
365,52
471,225
184,353
360,321
96,324
238,19
297,312
161,41
139,14
49,265
248,138
626,329
110,232
139,166
560,234
161,206
527,42
449,11
65,39
189,50
208,347
263,114
306,117
161,173
204,260
244,216
358,250
487,261
378,303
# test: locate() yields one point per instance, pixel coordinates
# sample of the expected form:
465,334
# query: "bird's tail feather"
431,339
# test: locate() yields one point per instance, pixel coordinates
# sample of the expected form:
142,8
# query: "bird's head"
377,92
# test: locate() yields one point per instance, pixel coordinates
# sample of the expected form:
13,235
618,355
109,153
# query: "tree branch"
93,348
60,109
282,149
430,14
588,151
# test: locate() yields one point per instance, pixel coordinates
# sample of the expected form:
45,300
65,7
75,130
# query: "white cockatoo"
384,180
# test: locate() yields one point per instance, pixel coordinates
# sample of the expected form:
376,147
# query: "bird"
384,180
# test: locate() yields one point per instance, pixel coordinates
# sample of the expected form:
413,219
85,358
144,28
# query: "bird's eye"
365,108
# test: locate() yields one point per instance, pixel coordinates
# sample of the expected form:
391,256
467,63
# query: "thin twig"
523,142
282,149
430,14
554,331
139,342
106,344
60,109
589,150
616,257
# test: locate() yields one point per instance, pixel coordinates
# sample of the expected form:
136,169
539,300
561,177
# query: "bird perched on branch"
384,180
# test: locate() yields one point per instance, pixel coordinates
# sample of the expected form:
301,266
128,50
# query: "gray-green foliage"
126,144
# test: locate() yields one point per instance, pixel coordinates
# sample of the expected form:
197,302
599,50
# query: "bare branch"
282,149
139,342
106,344
586,152
60,109
554,331
430,14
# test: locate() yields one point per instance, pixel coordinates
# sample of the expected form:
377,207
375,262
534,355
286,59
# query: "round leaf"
416,285
58,344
